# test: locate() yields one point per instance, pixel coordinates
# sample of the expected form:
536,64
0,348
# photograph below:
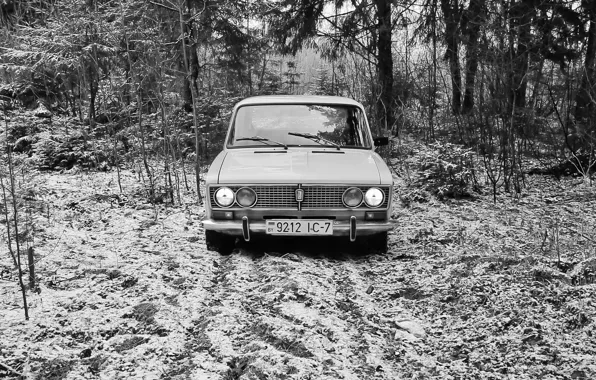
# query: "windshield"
335,126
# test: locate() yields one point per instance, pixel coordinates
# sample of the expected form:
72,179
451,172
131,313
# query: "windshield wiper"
316,139
263,140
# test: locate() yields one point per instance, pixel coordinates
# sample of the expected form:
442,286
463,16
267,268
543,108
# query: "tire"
220,243
378,242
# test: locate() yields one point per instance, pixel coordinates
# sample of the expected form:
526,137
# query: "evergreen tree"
365,25
322,84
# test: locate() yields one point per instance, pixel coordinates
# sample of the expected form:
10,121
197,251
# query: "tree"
365,27
322,84
473,18
521,16
385,63
585,107
452,18
64,48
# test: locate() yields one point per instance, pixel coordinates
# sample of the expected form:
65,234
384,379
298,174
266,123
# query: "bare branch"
163,6
11,370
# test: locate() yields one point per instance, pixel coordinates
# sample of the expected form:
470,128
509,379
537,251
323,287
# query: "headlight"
246,197
224,197
374,197
352,197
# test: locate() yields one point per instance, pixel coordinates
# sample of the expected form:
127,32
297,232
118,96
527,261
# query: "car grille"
315,197
323,197
275,196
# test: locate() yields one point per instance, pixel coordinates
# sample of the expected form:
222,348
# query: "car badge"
299,195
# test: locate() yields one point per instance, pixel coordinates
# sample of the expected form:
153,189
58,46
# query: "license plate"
299,227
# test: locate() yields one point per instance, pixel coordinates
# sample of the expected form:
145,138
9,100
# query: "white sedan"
298,166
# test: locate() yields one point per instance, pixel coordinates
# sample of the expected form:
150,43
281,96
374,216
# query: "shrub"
66,151
447,170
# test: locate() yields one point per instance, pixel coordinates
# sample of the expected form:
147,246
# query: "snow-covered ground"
469,290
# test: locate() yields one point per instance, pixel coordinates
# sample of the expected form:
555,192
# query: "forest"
508,79
112,112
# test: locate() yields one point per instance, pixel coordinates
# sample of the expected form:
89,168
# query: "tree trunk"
262,75
194,63
586,96
521,20
190,58
473,21
15,218
385,64
92,93
451,14
189,81
185,91
93,72
183,24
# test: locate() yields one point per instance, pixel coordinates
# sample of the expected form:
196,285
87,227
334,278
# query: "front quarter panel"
211,178
386,179
384,172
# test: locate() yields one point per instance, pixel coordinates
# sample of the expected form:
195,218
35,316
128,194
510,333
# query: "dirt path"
304,312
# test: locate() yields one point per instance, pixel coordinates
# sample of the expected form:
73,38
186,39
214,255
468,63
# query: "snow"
469,289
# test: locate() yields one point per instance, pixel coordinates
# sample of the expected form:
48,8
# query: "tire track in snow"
221,317
368,336
300,313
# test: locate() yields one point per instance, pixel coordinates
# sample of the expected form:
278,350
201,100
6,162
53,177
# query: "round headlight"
246,197
374,197
224,197
352,197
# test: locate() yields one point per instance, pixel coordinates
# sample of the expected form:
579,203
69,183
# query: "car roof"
297,99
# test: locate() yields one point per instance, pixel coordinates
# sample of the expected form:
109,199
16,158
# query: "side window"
355,129
361,128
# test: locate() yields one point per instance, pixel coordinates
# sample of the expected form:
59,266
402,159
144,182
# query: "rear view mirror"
380,141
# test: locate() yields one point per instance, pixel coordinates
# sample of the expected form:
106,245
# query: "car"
298,165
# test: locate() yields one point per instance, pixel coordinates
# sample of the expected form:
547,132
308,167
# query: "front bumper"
247,227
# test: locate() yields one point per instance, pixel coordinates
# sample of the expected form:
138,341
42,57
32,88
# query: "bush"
447,170
66,151
22,125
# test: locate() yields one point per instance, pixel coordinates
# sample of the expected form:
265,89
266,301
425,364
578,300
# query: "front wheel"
218,242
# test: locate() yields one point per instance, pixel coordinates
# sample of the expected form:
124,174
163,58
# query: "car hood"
299,165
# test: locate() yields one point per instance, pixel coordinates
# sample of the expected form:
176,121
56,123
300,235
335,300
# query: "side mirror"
380,141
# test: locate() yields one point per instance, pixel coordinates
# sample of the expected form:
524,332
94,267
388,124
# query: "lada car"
298,166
